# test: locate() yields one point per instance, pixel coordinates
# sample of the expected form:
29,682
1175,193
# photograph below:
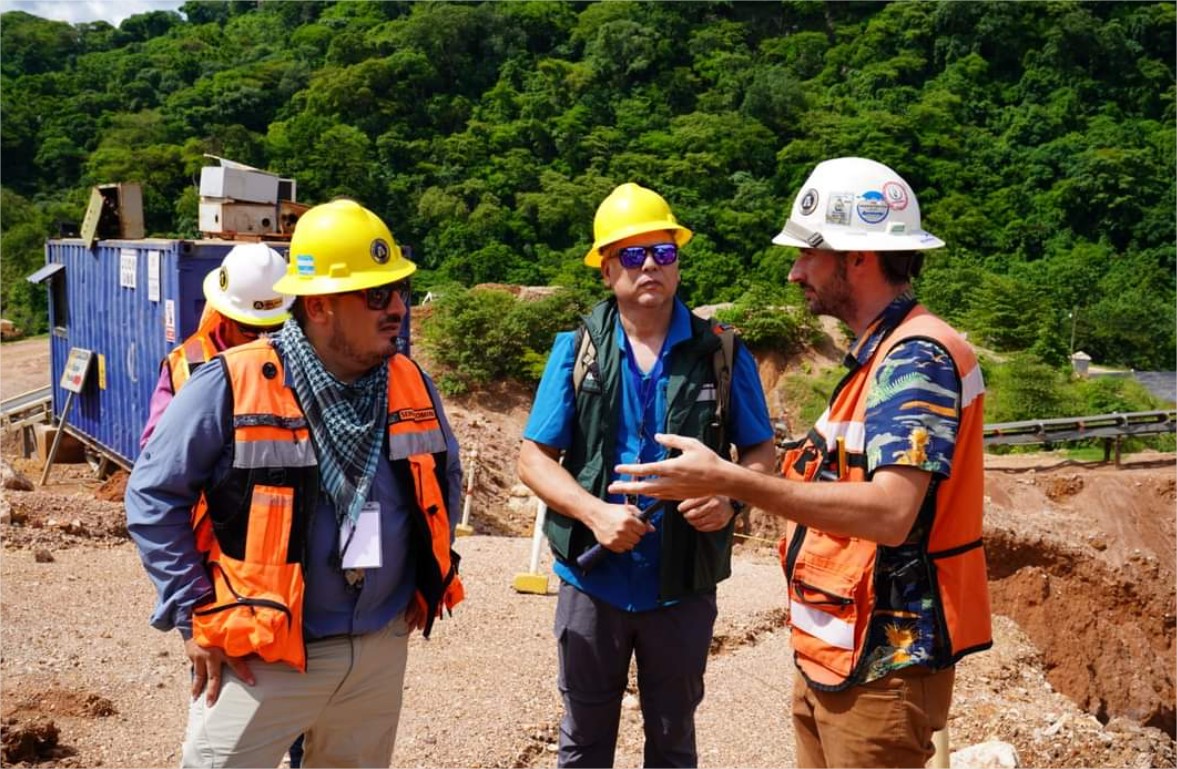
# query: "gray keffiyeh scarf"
346,420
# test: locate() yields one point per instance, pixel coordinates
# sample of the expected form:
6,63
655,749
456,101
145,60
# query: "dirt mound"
114,488
30,733
58,521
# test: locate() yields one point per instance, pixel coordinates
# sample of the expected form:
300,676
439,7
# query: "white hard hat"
242,288
855,204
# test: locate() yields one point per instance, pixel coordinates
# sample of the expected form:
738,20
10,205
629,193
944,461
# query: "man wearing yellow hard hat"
295,509
637,578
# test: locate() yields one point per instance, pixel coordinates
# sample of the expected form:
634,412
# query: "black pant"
596,642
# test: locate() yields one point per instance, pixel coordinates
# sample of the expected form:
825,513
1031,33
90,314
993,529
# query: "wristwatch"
737,506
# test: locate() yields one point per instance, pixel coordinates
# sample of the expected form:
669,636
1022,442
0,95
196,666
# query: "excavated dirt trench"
1107,634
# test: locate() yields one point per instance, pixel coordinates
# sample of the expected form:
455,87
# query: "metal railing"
1108,426
28,408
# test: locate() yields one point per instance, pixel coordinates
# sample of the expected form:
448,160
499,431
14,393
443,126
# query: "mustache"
391,321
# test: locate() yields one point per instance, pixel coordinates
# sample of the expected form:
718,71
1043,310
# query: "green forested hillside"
1040,137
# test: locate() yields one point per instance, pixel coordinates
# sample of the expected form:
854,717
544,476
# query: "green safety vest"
691,561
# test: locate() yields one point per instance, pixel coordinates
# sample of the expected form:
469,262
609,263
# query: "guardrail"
22,412
1081,428
1112,428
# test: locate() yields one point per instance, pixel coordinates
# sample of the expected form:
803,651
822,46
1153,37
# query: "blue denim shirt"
191,448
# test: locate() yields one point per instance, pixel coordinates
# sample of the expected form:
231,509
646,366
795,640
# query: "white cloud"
77,11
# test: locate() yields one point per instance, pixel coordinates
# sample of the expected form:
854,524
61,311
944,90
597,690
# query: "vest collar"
679,331
863,348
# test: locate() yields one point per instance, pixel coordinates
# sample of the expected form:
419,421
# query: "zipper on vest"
835,600
243,601
793,551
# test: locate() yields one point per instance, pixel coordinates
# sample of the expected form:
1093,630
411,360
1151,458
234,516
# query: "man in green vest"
647,366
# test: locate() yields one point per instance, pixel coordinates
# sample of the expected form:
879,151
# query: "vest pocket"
253,611
830,605
801,463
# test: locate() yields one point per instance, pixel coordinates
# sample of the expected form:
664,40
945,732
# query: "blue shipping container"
129,302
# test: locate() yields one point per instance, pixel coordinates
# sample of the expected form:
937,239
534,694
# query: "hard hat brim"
864,241
215,297
682,236
317,285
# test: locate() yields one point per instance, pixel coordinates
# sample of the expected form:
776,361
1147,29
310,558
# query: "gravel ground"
77,650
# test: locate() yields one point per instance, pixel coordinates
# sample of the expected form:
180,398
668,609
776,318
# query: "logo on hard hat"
872,208
223,279
809,202
896,195
267,304
380,251
838,209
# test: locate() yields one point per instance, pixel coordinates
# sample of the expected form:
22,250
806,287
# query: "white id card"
364,550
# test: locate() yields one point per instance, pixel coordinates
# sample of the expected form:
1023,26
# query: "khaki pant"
884,723
347,703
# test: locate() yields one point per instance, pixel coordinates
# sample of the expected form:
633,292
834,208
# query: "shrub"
766,319
481,335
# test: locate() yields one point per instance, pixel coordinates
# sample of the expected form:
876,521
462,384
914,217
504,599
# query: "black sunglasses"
379,297
257,330
632,257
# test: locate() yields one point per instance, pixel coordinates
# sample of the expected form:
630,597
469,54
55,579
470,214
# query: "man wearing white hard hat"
240,305
887,582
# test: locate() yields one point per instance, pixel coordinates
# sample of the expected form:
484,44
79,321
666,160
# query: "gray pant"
596,641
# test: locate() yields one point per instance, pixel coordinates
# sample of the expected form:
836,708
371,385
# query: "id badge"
364,551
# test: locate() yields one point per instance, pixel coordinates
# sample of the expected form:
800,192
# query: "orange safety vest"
831,579
195,351
260,513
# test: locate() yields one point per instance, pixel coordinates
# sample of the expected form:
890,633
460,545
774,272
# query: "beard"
836,299
372,355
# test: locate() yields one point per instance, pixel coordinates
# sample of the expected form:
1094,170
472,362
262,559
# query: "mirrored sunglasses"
379,297
632,257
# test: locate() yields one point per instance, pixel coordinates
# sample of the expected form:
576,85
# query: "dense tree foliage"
1040,137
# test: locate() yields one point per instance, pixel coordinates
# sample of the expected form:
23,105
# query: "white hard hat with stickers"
242,288
855,204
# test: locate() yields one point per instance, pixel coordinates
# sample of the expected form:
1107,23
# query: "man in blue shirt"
294,509
653,594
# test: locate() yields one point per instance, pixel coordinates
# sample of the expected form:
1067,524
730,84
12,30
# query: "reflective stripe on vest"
831,579
196,350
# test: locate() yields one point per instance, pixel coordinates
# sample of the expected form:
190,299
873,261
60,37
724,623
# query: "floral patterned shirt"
912,418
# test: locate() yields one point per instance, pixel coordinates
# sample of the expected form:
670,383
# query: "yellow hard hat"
631,210
341,246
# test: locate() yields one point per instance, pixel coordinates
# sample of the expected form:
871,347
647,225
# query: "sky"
77,11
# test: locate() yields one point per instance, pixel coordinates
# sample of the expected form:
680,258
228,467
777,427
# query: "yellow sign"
76,368
101,371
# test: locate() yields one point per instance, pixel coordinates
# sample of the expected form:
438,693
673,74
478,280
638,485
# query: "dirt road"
24,366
